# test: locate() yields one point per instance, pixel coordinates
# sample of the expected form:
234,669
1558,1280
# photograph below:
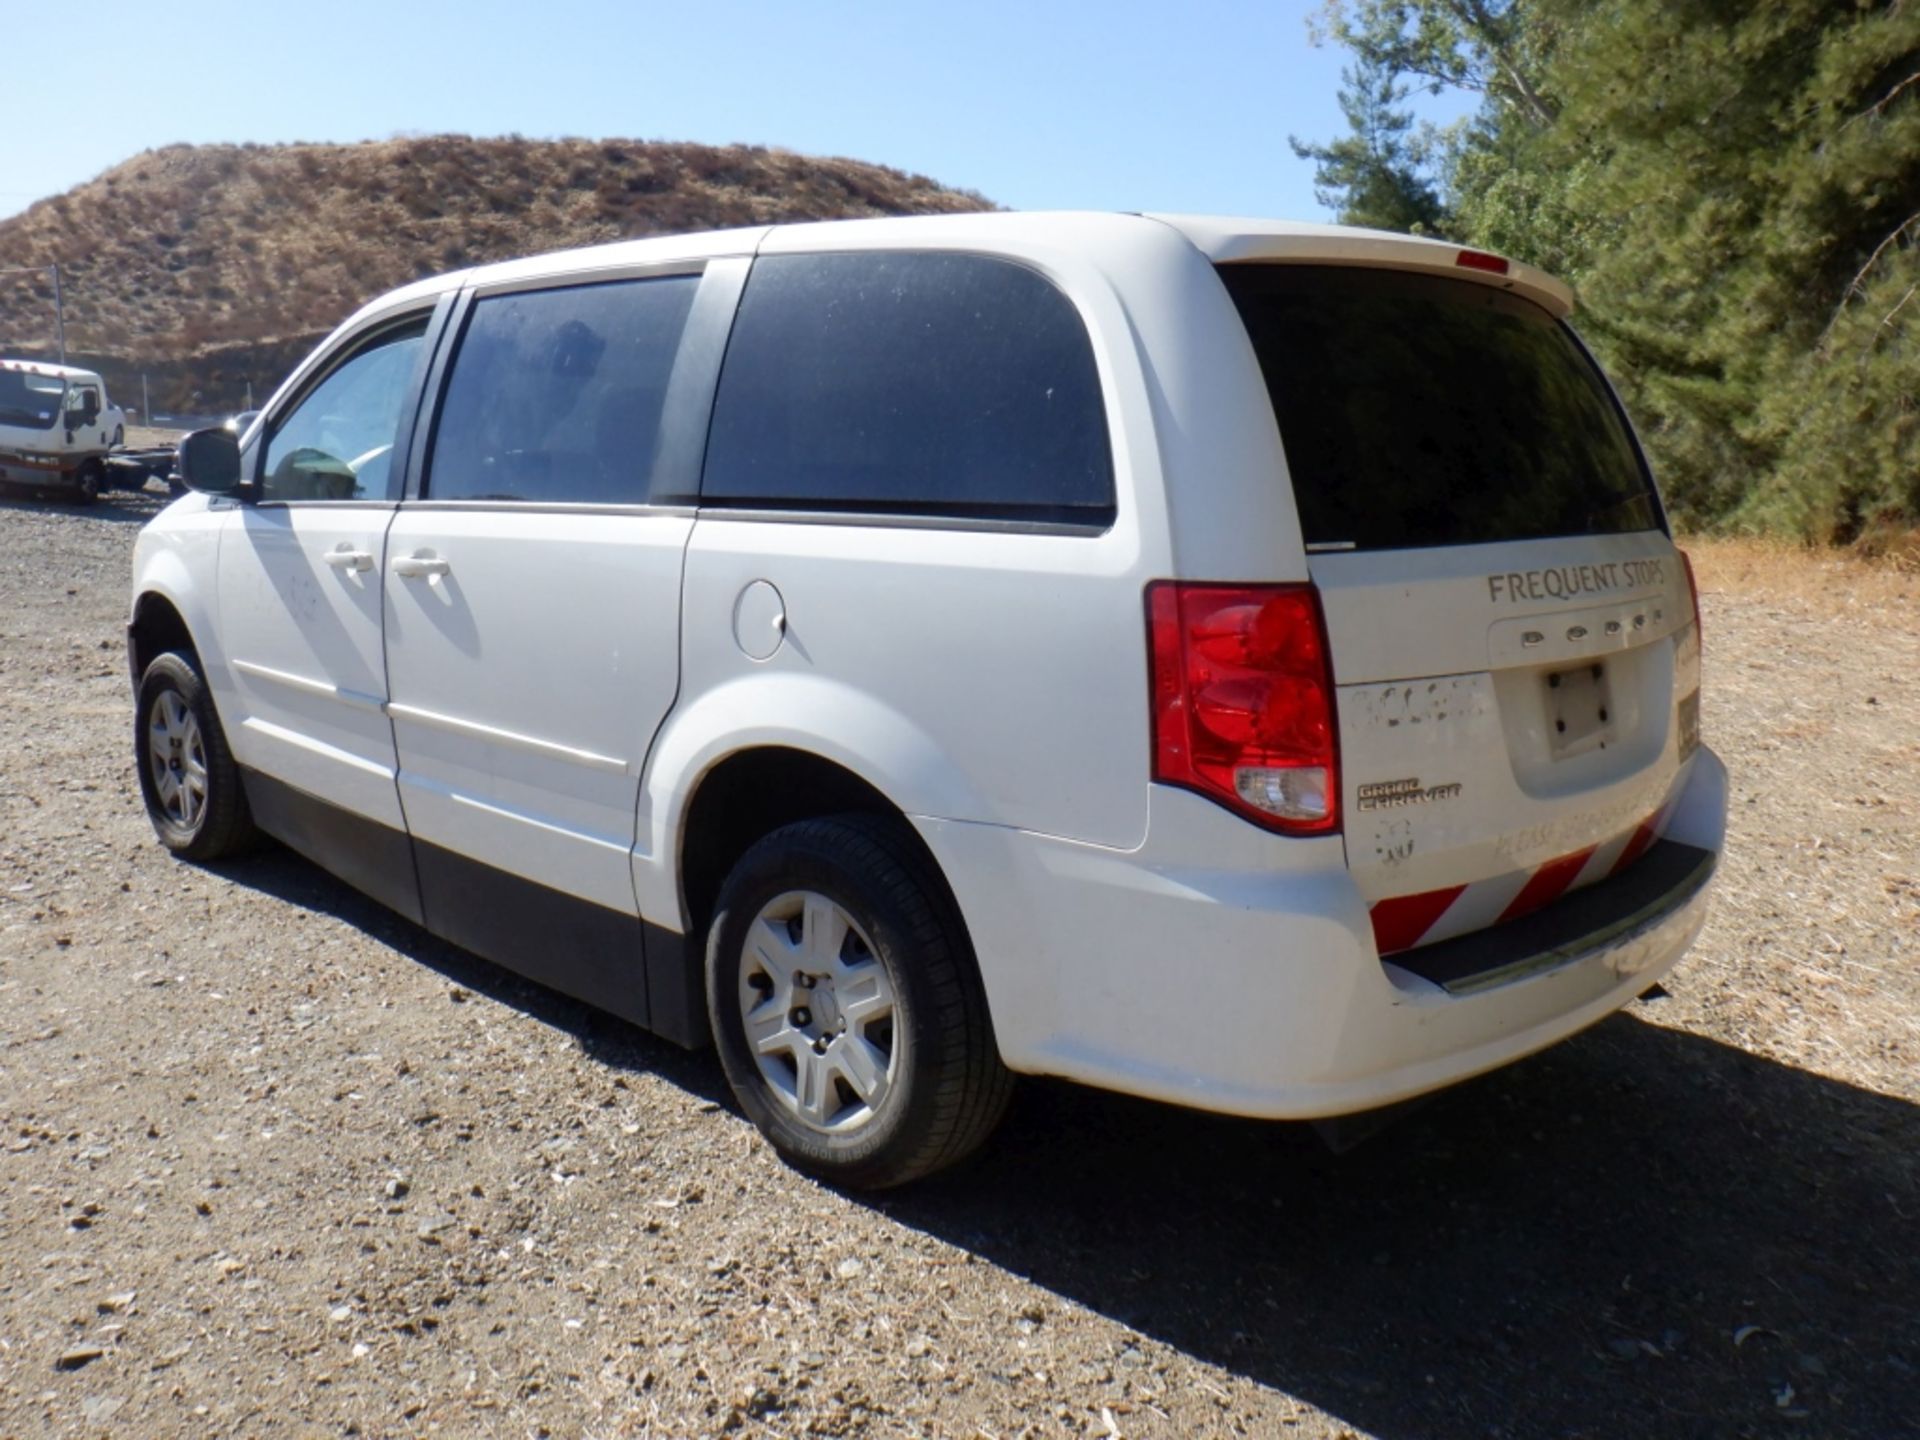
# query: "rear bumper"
1248,982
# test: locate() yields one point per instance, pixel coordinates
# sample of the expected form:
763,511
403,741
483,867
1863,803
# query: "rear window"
909,383
1418,410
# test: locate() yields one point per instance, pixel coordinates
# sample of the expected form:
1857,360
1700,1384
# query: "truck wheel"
187,776
90,481
846,1006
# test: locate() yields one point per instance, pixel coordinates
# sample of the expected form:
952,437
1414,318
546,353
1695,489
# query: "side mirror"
209,461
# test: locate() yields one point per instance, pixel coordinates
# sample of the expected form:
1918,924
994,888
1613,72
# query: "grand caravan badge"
1393,794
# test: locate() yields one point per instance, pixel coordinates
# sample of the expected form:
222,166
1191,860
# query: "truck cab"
56,428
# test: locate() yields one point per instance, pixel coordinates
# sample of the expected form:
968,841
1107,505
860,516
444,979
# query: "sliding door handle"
422,563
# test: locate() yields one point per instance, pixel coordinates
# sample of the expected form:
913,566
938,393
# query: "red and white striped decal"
1405,921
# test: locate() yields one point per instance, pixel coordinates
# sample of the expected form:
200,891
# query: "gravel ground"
273,1162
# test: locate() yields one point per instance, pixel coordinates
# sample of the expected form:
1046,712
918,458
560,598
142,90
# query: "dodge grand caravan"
1236,663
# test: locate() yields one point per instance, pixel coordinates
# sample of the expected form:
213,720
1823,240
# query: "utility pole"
59,315
59,310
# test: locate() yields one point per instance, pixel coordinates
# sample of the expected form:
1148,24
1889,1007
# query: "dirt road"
273,1162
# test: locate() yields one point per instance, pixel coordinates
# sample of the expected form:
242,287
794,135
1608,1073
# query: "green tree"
1373,176
1493,48
1755,172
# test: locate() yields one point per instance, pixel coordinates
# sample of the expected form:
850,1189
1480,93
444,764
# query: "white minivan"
1237,663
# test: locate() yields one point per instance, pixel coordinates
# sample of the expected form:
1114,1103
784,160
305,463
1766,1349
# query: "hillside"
208,267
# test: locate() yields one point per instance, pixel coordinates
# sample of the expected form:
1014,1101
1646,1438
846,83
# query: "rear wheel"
188,779
846,1007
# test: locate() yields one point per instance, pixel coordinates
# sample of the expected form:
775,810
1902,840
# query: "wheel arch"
749,793
155,627
882,763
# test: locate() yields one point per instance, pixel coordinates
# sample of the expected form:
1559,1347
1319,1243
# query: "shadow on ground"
1567,1248
1581,1245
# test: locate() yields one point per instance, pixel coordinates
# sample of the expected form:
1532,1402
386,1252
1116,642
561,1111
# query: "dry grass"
1876,589
1812,694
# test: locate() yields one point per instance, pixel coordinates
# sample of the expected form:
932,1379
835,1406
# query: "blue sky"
1105,104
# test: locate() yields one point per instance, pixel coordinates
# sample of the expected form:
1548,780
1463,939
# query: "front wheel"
89,482
846,1007
188,779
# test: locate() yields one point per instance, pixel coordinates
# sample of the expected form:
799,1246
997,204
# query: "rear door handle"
422,563
344,557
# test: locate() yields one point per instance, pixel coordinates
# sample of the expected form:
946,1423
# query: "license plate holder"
1579,706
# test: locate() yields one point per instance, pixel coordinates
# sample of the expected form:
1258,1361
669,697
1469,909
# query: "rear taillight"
1693,589
1243,701
1686,672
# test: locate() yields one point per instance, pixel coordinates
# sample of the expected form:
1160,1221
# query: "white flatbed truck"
59,432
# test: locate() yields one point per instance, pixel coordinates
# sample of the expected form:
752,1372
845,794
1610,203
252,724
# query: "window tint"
909,383
556,395
1418,410
337,443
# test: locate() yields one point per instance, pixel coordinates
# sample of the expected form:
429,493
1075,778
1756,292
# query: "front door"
300,612
532,628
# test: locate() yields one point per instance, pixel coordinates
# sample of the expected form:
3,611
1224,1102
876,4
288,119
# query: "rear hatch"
1511,627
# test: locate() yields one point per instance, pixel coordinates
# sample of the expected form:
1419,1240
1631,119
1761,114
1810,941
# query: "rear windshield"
1418,410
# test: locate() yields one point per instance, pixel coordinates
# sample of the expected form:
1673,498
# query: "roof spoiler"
1231,242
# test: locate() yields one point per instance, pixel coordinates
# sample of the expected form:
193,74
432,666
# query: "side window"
556,395
337,443
909,383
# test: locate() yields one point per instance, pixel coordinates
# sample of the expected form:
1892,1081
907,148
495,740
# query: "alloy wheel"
177,759
817,1006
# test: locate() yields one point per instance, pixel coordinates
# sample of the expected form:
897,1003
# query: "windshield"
1420,410
30,400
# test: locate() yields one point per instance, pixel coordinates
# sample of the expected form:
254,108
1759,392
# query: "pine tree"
1372,176
1756,172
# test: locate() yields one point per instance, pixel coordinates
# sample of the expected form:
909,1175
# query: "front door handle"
421,563
344,557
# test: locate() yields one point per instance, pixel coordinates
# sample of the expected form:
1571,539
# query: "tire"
177,740
835,944
89,483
